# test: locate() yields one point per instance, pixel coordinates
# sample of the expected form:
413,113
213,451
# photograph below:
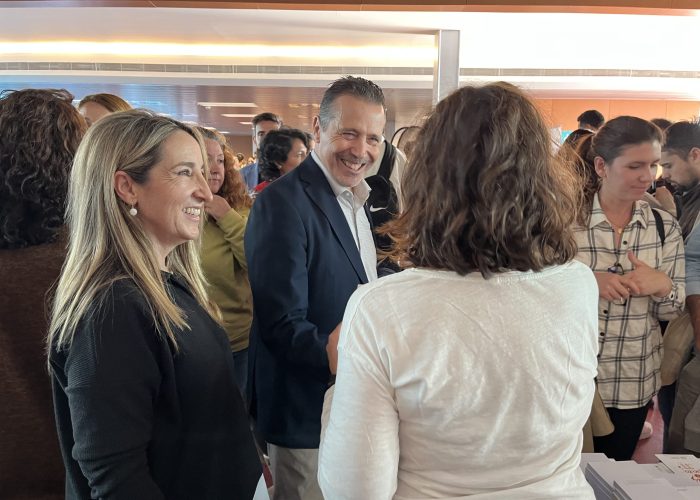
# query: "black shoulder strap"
660,228
386,167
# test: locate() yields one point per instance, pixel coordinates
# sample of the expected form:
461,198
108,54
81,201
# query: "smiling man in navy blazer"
309,245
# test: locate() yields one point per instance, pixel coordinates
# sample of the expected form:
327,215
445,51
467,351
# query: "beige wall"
241,144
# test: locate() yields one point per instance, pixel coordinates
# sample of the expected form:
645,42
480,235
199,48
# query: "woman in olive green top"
223,259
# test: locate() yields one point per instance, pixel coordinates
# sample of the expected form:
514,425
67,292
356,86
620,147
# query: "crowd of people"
458,316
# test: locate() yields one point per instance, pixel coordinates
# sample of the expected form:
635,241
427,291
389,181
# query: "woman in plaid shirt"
637,258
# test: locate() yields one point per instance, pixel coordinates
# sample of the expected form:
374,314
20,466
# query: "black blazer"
303,266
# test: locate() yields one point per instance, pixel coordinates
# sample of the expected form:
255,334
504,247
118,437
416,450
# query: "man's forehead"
667,156
352,117
266,125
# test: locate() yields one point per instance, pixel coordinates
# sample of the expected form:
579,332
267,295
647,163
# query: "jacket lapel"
320,192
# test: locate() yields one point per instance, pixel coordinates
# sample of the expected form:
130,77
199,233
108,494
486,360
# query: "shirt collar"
598,216
360,192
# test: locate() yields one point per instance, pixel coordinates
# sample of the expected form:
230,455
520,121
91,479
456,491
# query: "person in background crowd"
262,124
444,389
39,133
280,152
240,157
636,254
680,160
142,375
96,106
680,163
574,137
405,139
591,120
223,259
309,245
662,123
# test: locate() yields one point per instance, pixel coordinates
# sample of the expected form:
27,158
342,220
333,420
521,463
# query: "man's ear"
125,187
599,165
317,129
694,156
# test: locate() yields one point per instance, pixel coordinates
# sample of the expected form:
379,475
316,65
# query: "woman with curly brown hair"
471,373
223,258
39,133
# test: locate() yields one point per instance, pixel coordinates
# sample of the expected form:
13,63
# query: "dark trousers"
621,443
667,399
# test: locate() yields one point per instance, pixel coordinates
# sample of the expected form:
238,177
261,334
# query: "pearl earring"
133,211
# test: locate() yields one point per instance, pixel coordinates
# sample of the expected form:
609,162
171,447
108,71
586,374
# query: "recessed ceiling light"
237,115
227,104
246,123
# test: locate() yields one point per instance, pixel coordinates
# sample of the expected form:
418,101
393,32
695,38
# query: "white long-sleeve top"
450,386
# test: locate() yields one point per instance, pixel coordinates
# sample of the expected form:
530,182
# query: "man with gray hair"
309,245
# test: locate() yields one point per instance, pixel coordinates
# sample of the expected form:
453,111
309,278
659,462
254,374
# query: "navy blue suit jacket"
303,265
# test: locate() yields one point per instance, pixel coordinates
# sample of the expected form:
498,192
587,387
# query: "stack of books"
675,477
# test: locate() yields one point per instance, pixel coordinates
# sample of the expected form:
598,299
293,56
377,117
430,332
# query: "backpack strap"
660,228
386,167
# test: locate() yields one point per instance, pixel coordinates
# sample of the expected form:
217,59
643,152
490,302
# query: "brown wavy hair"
233,189
485,191
39,134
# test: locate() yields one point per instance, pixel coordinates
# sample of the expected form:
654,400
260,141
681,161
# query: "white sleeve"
359,452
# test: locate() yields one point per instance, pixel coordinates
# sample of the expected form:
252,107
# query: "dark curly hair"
39,134
275,149
487,193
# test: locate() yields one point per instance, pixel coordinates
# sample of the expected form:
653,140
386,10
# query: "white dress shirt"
450,386
352,201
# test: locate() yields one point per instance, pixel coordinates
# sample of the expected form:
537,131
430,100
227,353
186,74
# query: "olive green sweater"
225,268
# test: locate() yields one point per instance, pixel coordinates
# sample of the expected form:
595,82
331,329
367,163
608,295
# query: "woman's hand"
217,207
648,280
615,287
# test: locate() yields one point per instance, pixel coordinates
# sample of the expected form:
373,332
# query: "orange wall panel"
563,112
642,109
566,111
545,107
682,110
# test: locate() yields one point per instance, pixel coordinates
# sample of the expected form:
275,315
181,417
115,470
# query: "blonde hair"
112,103
106,244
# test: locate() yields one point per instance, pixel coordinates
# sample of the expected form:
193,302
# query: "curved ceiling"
281,59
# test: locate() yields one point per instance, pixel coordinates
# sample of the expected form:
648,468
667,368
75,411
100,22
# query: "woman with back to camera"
281,153
94,107
223,257
641,279
146,406
39,133
471,374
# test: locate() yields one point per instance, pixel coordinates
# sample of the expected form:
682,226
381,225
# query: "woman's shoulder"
118,301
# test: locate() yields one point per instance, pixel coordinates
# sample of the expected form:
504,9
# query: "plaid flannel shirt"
630,346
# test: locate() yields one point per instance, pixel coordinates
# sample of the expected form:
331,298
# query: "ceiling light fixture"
207,104
237,115
416,55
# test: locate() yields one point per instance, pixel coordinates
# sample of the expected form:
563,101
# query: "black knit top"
138,420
